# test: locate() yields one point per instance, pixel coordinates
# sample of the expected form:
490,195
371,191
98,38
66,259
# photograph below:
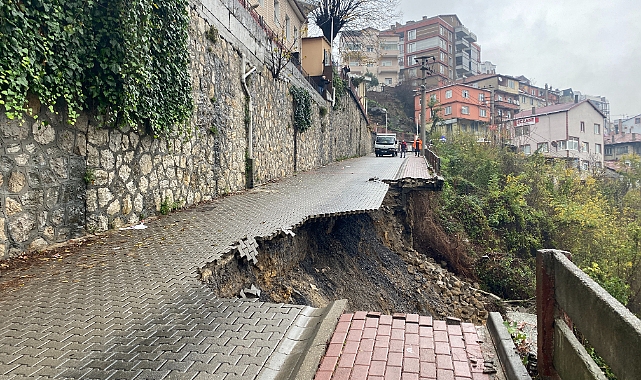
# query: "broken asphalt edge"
510,360
316,348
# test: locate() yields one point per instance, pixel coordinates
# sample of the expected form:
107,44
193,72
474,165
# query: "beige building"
316,55
372,51
571,131
286,19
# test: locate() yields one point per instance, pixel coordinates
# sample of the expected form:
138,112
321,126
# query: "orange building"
465,109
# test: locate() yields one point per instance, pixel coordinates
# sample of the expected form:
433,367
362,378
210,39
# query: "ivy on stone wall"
302,108
127,60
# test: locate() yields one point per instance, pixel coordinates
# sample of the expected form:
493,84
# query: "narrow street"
129,303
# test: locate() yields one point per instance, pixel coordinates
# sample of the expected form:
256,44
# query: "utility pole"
492,118
385,121
425,70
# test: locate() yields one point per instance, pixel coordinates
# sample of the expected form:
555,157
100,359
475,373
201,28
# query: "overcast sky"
591,46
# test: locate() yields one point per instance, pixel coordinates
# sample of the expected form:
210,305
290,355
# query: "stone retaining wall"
59,181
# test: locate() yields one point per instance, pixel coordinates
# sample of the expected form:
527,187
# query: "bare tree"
332,16
279,53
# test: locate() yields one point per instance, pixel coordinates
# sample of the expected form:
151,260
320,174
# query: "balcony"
390,53
462,44
464,33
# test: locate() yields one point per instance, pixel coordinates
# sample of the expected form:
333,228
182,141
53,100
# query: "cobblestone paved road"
129,304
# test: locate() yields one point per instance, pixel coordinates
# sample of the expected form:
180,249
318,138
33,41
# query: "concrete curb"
308,365
510,360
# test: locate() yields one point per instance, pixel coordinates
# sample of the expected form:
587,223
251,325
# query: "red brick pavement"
371,346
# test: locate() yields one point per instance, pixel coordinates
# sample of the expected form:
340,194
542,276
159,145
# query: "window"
622,149
448,94
481,97
585,165
637,120
448,110
542,147
500,98
585,147
465,110
531,101
573,143
482,112
433,97
510,83
465,93
287,26
411,60
388,81
295,34
562,145
276,11
597,148
526,149
386,63
411,47
441,30
597,129
582,126
354,63
608,150
441,69
411,34
370,49
443,57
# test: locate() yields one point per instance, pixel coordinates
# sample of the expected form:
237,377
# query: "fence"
567,298
433,160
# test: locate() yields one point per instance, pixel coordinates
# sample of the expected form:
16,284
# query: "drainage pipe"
250,133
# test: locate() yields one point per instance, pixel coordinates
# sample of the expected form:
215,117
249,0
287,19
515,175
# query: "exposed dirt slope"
365,258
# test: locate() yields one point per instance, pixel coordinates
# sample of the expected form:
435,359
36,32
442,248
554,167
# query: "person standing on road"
416,145
403,149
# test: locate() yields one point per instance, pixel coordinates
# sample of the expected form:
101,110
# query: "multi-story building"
286,19
488,67
451,45
601,102
504,99
372,51
627,125
618,145
533,96
571,131
465,109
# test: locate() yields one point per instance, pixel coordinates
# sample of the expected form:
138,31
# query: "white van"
386,143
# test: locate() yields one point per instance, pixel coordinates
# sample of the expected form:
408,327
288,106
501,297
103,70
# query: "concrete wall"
44,197
613,331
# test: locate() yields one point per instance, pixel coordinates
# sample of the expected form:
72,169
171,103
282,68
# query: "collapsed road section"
378,258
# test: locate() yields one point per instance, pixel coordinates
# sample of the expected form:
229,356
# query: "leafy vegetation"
129,61
302,108
509,205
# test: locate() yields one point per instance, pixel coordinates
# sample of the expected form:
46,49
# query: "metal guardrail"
433,161
567,298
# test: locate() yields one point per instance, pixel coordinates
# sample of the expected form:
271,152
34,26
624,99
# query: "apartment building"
286,19
374,52
533,96
618,145
453,47
627,125
570,131
465,109
504,99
